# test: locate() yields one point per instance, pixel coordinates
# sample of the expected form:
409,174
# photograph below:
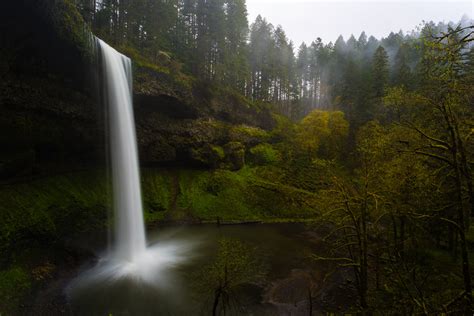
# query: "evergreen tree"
281,71
236,59
401,70
303,71
261,55
380,72
362,42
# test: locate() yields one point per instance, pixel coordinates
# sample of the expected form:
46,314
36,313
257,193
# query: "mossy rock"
71,26
248,135
235,155
208,155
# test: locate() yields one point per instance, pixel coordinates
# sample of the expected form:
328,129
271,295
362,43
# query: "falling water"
129,241
130,263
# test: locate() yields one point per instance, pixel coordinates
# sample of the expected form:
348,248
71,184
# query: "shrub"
264,154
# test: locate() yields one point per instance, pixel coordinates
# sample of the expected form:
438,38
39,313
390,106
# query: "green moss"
209,155
229,94
157,195
240,196
264,154
235,154
248,134
219,151
14,285
220,194
71,27
52,207
60,206
140,60
166,75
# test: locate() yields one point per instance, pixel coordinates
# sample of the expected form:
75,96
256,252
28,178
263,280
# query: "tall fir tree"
380,72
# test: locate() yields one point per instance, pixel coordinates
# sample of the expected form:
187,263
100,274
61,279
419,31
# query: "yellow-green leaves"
322,132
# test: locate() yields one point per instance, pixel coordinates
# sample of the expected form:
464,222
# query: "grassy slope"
44,207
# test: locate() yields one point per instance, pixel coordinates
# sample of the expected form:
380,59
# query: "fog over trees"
214,41
324,177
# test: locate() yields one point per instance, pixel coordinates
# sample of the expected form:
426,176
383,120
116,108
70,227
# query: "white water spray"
129,241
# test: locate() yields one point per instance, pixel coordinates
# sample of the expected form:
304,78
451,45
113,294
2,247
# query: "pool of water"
284,249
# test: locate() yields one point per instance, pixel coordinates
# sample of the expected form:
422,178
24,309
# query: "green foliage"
264,154
402,75
219,151
70,26
401,214
141,61
59,206
248,134
51,207
14,285
380,71
157,194
284,129
236,264
212,41
212,156
240,196
214,195
322,132
235,153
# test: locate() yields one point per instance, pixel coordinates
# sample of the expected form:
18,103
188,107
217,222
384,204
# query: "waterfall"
129,233
129,262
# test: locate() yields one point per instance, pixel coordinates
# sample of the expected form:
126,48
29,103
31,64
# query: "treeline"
213,41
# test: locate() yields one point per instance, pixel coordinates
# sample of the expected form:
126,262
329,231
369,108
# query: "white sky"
305,20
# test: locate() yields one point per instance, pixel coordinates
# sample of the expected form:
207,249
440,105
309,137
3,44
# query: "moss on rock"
235,155
209,155
264,154
248,135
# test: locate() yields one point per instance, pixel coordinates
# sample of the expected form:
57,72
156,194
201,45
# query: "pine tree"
362,42
236,53
279,63
261,56
401,70
380,72
303,71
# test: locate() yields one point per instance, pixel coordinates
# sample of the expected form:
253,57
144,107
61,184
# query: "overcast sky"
305,20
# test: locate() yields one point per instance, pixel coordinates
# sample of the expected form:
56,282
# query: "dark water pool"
290,280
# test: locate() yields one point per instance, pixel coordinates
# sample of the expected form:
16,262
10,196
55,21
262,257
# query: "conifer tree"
380,71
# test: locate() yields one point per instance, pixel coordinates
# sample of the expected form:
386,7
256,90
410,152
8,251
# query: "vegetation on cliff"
235,127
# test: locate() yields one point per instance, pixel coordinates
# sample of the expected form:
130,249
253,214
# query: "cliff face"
180,123
52,116
48,116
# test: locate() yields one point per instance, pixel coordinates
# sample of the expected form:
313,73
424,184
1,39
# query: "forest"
315,179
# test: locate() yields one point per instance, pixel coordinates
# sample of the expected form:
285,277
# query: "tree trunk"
461,220
217,297
402,236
